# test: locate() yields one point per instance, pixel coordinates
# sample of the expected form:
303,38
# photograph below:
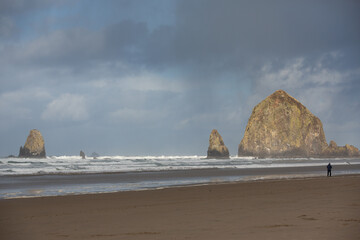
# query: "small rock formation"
34,146
352,151
333,150
217,148
82,154
280,126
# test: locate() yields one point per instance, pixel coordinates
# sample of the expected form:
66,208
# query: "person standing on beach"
329,167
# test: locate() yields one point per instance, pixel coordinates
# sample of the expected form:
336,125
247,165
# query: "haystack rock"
34,146
280,126
217,148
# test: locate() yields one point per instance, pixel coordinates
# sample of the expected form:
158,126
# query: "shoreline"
305,208
195,185
315,165
79,184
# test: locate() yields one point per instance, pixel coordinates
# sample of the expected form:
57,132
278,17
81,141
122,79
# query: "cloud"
206,41
25,94
197,120
141,81
233,34
67,107
76,47
11,7
7,27
148,81
174,68
19,105
315,83
327,92
60,47
15,13
134,115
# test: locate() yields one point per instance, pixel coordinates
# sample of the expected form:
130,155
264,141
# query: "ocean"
63,175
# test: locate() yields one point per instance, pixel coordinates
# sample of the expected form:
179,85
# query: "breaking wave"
108,164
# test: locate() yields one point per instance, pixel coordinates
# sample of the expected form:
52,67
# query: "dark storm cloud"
92,36
66,47
240,32
210,35
12,11
11,7
75,54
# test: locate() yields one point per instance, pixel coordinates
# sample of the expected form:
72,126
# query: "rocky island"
82,154
217,148
280,126
34,146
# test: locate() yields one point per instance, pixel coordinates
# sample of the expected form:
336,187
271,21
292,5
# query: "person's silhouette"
329,167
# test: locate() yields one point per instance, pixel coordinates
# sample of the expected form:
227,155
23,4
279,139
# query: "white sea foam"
103,164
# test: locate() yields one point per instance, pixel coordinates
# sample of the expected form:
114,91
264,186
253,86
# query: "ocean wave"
104,164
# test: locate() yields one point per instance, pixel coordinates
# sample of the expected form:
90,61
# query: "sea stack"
82,154
34,146
280,126
217,148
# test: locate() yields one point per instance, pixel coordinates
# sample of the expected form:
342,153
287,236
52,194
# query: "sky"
139,77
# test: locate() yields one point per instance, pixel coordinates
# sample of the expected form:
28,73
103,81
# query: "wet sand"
312,208
64,184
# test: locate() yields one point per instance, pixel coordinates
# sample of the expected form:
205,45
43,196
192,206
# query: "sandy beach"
312,208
